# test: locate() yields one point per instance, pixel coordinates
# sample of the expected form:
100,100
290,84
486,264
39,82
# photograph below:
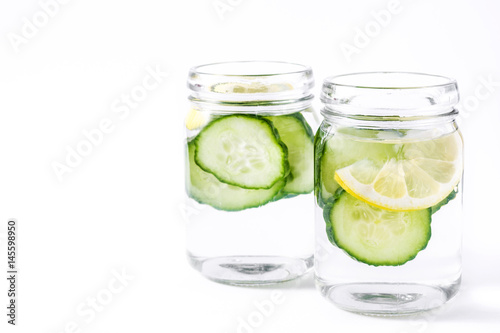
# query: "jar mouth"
390,122
250,68
399,94
250,81
390,80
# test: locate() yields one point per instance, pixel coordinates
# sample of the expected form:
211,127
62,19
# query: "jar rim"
250,81
399,94
236,68
338,80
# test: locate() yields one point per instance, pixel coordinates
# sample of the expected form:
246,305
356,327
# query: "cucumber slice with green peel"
327,208
324,196
320,192
403,173
297,135
342,150
376,236
242,150
284,194
206,189
443,202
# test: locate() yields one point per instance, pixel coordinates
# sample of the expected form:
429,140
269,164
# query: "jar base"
388,299
251,270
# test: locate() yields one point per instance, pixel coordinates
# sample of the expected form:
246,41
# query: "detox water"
429,279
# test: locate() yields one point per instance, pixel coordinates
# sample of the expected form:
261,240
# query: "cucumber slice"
242,150
284,195
375,236
206,189
297,135
343,149
443,202
320,192
327,206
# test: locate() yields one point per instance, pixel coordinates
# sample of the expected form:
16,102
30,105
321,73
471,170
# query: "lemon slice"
195,119
347,147
419,175
250,88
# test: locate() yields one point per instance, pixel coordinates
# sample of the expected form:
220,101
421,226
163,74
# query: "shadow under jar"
250,171
388,189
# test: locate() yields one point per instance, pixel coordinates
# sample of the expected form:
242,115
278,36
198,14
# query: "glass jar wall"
249,171
388,190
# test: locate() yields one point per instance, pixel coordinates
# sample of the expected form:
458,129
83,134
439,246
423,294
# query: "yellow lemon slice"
419,174
195,119
250,88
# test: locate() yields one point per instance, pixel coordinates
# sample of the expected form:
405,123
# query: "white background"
121,208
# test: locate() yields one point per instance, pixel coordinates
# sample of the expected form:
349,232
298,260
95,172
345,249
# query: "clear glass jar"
388,189
250,171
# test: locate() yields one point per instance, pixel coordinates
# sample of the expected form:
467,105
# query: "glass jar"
250,171
388,190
